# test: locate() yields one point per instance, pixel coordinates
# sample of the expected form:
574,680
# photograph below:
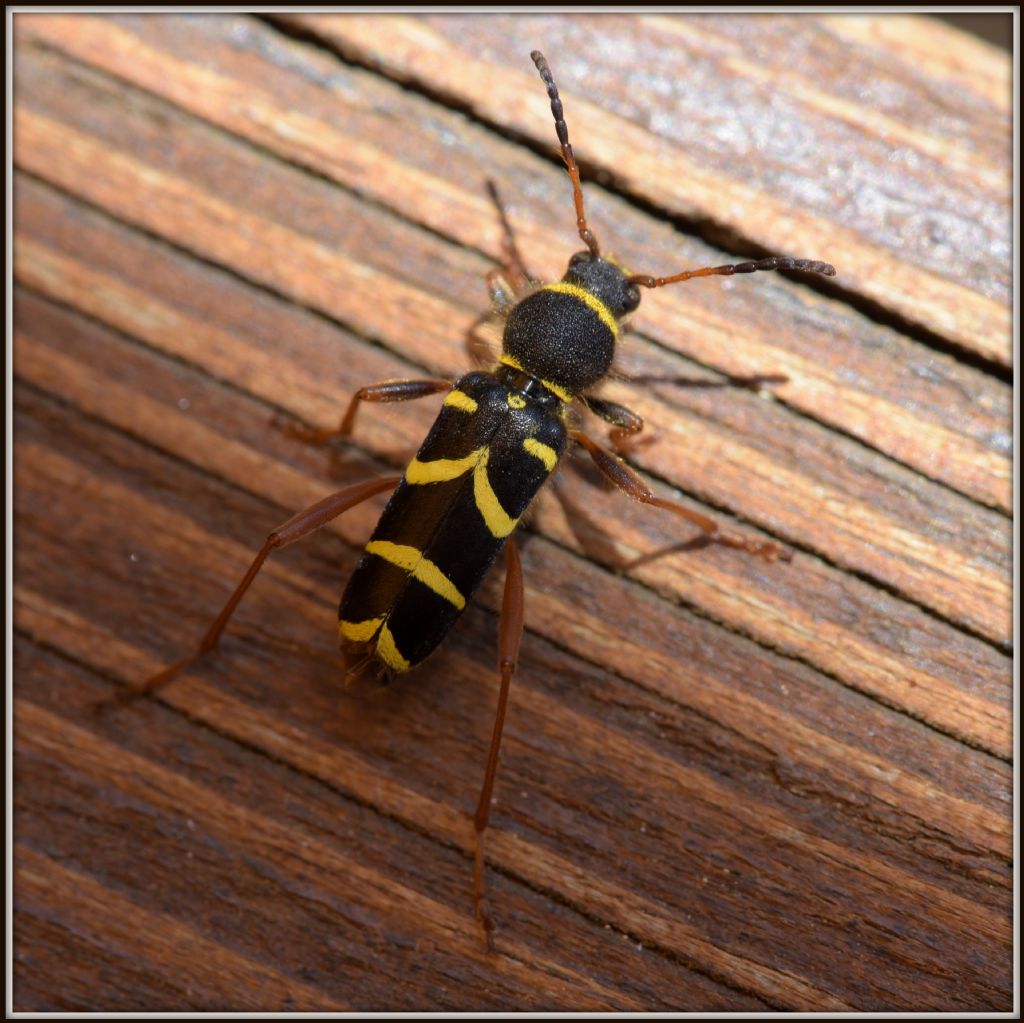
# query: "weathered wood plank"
179,177
871,383
550,787
218,447
724,786
242,845
786,132
158,942
819,614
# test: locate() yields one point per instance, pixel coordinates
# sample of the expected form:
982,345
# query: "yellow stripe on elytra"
441,469
497,520
360,632
363,632
558,392
388,652
460,400
419,567
589,300
539,450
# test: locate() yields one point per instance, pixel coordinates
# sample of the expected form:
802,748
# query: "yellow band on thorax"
590,300
559,392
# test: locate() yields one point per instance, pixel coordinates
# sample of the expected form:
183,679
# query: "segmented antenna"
646,280
570,161
771,263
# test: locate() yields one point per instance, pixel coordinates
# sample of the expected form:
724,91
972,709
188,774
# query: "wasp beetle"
499,436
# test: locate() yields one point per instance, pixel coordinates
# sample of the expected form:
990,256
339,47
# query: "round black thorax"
565,333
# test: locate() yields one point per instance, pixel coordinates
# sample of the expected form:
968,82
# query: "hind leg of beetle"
394,390
510,633
295,528
631,484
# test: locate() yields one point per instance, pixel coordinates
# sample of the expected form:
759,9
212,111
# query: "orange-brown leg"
630,483
394,390
300,525
510,633
626,424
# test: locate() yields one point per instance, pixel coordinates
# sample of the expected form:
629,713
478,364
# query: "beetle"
498,438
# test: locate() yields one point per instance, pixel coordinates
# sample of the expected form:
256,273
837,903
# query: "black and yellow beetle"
499,436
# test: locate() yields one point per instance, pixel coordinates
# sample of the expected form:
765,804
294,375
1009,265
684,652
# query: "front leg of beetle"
626,424
394,390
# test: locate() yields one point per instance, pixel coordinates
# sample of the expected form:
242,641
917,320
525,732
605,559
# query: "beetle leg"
631,484
394,390
626,424
510,633
295,528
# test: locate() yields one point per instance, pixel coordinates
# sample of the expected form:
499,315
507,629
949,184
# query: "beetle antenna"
771,263
570,161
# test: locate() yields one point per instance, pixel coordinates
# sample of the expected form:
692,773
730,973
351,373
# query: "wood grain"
725,785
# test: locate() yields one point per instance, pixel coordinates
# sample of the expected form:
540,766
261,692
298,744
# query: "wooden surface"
725,785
